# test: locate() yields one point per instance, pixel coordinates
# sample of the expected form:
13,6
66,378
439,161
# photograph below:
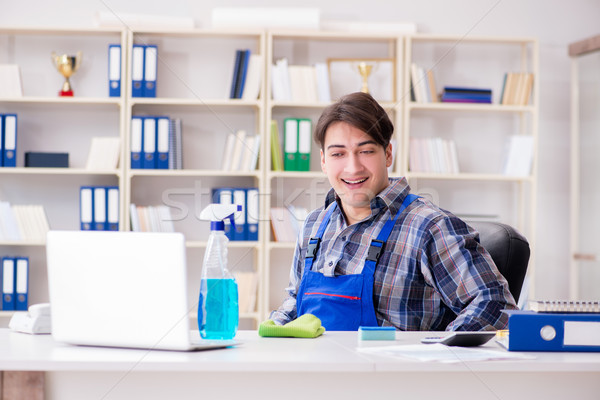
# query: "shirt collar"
391,197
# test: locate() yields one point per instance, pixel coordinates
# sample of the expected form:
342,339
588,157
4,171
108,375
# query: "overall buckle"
375,250
313,246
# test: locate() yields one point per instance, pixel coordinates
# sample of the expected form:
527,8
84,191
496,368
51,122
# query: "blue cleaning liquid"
218,312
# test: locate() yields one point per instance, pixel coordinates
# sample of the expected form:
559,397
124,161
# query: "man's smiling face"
356,166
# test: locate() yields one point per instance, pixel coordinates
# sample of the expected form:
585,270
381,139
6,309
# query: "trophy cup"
67,65
365,70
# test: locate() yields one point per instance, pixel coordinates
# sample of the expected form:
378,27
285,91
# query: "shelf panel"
294,175
469,177
22,243
195,102
341,36
55,171
238,244
298,104
57,31
214,33
470,39
192,173
469,107
93,101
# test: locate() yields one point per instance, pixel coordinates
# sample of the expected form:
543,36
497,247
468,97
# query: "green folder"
290,144
304,144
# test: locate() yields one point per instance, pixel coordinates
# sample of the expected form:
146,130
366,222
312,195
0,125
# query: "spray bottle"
218,312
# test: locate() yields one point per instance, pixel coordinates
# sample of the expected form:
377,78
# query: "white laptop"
121,289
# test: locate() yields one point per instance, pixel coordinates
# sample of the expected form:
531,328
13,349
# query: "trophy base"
66,93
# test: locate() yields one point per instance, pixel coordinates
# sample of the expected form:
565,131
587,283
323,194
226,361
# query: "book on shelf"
453,94
303,83
516,89
10,81
423,89
519,156
240,67
247,75
175,144
250,153
276,153
435,155
241,152
300,83
23,222
45,159
280,81
104,153
564,306
247,288
251,89
151,218
286,222
323,86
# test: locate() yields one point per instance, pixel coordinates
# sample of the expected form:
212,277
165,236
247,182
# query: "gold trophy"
365,70
67,65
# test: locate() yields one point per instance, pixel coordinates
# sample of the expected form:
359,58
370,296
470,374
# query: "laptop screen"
123,289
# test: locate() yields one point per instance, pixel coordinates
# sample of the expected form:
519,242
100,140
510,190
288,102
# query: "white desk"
326,367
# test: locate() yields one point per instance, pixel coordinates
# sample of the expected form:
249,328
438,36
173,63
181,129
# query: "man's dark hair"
360,110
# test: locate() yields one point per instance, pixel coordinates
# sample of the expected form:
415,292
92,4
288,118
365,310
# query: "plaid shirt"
432,275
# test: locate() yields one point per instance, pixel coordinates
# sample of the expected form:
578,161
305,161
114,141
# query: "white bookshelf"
481,131
195,70
194,76
47,122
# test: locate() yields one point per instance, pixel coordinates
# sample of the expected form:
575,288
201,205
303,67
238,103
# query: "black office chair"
509,250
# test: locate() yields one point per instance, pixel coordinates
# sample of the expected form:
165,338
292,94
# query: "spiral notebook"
565,306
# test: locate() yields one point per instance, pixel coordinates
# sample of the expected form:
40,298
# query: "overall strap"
313,242
376,247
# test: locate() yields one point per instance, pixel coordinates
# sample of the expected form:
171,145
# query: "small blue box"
376,333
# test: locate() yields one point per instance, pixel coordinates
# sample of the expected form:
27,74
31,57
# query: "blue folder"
114,70
7,276
538,331
21,283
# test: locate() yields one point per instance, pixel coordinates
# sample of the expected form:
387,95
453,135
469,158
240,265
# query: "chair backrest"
509,250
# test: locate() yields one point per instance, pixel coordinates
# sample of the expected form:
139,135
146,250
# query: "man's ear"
323,161
388,155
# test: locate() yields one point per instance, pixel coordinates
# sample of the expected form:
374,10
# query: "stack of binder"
8,140
297,144
99,208
15,283
143,70
245,221
156,143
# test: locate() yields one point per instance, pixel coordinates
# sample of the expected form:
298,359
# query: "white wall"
556,23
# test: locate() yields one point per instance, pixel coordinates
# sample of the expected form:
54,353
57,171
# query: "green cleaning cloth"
305,326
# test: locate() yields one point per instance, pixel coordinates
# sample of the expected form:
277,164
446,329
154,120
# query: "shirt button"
330,263
343,238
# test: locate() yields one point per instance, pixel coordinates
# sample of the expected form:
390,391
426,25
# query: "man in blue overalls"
375,254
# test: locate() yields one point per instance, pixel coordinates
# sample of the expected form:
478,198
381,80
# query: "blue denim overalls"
343,302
